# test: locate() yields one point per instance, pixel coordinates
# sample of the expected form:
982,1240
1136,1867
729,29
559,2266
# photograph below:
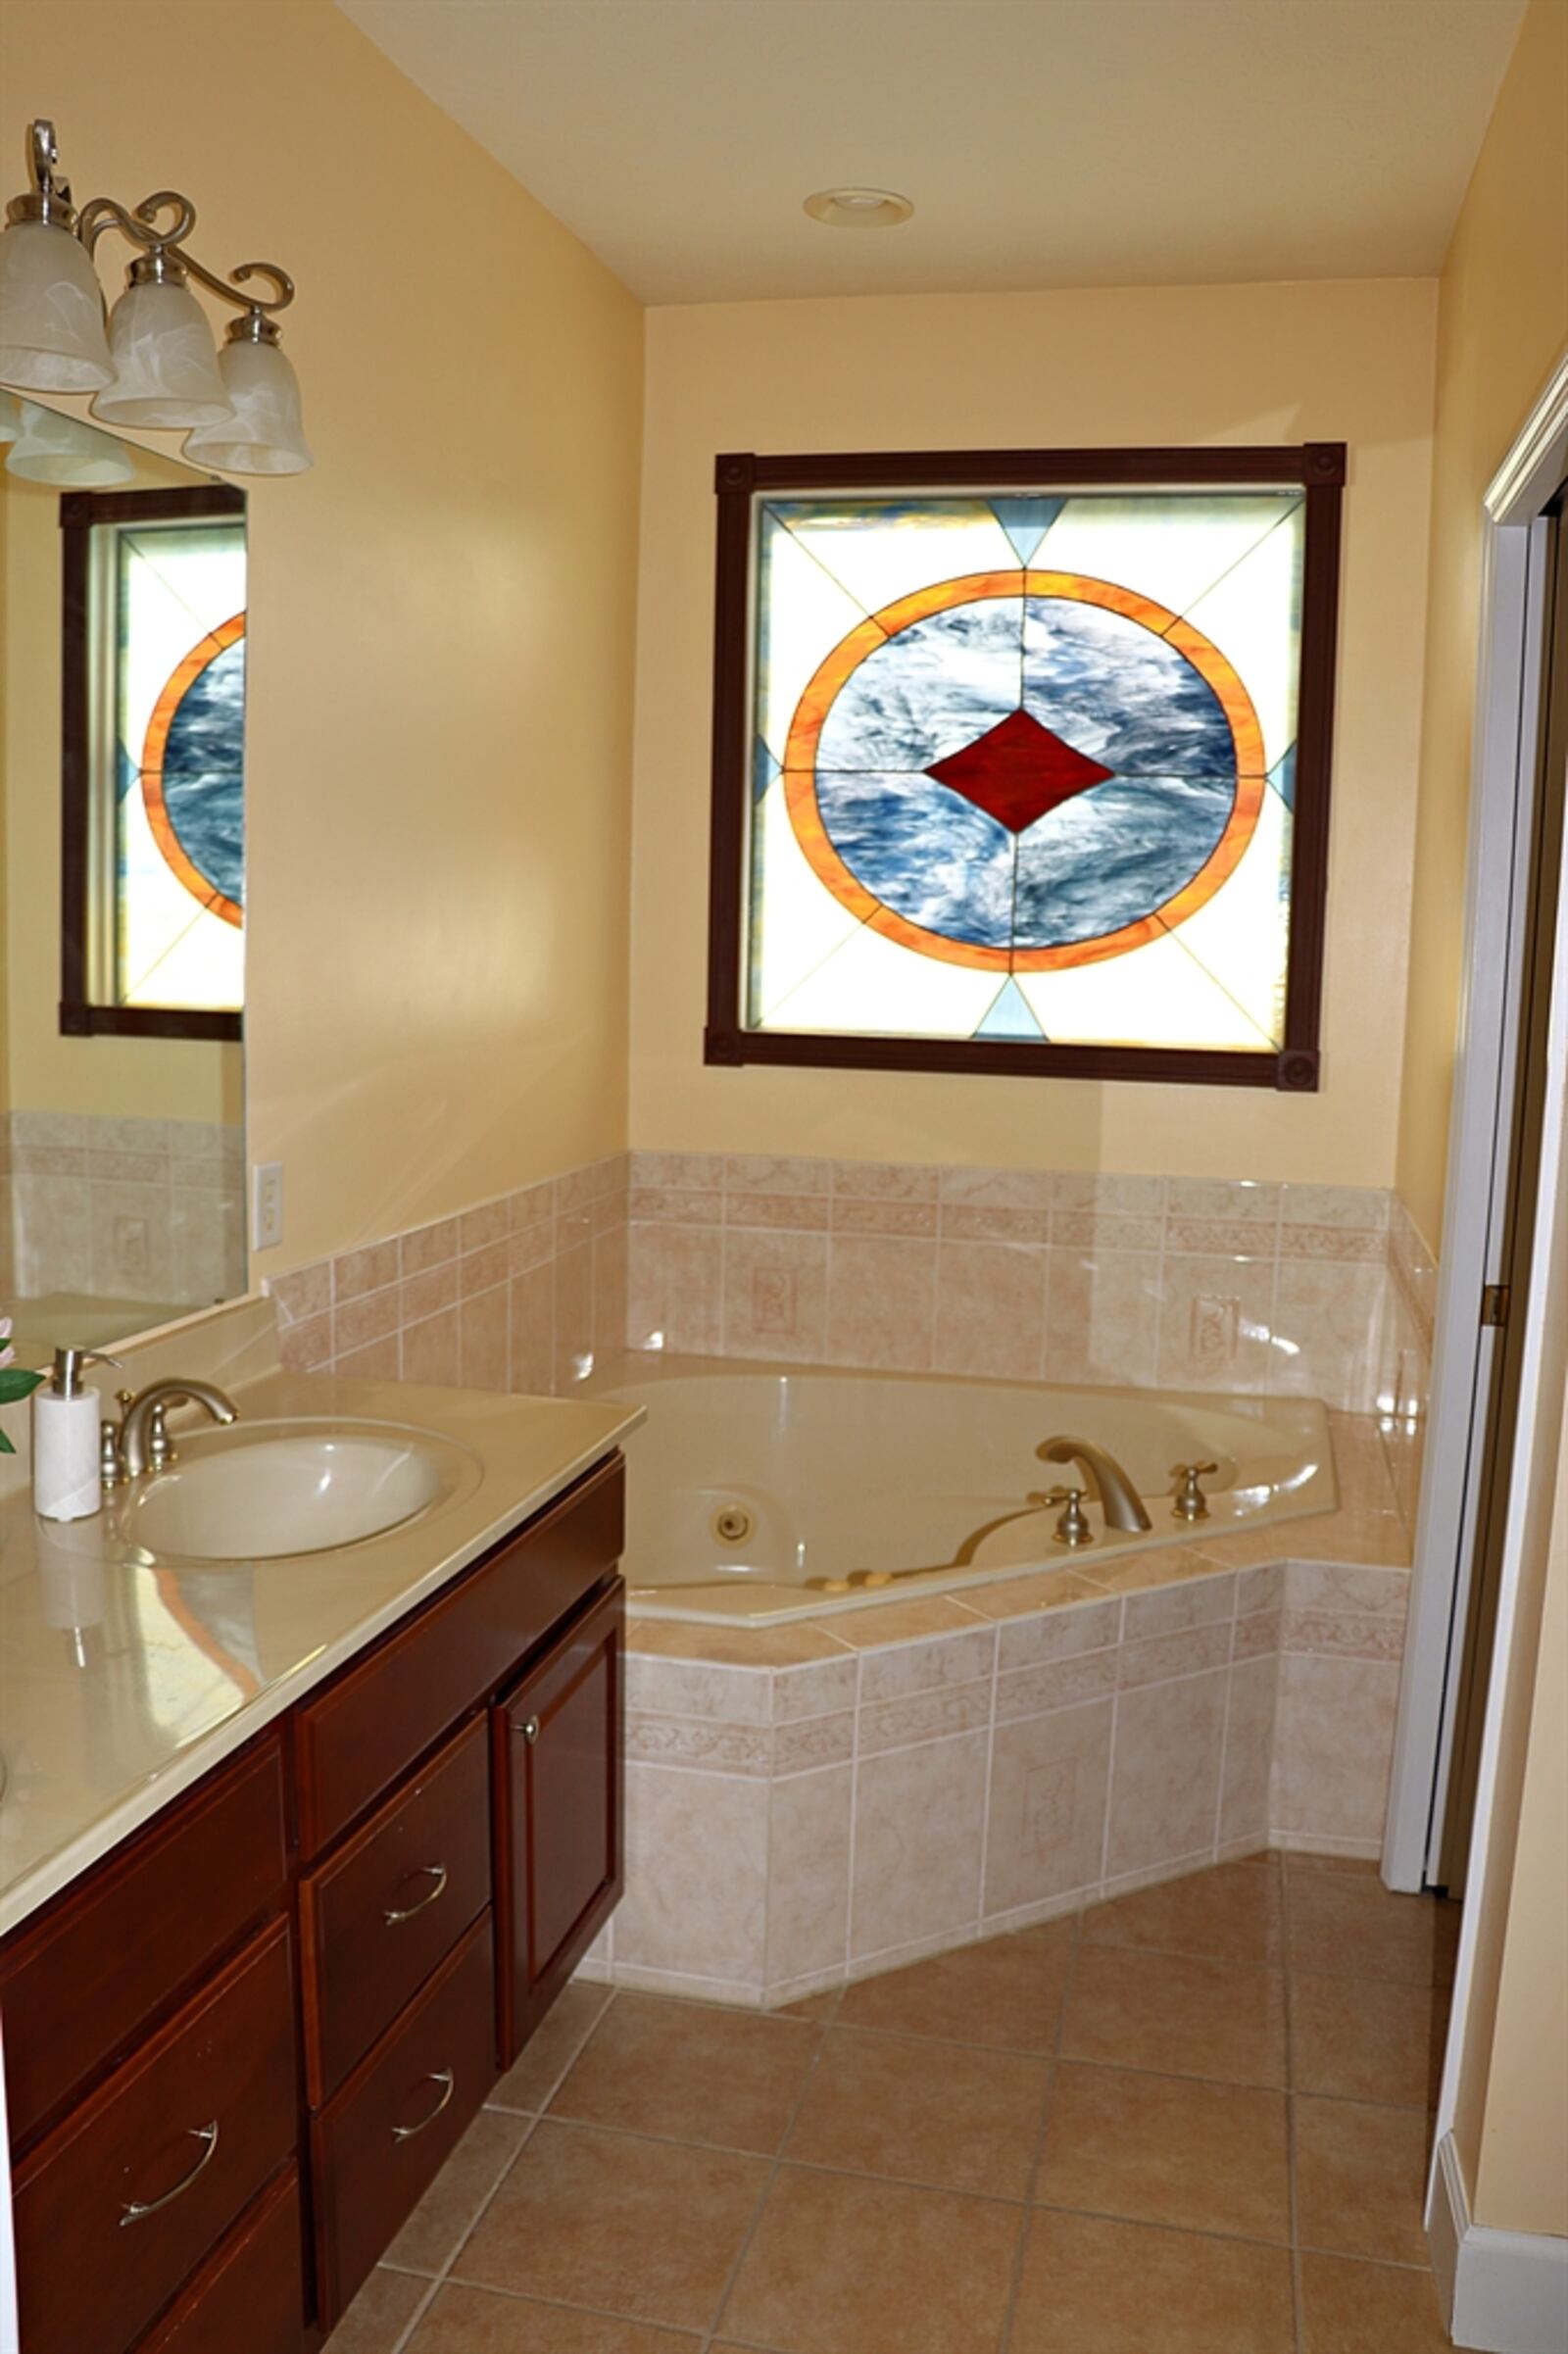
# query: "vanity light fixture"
155,364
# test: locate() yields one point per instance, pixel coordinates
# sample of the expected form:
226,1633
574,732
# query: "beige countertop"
122,1681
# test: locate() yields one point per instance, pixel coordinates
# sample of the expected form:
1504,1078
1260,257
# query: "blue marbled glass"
203,772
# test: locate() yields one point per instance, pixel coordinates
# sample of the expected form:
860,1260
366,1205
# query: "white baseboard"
1503,2292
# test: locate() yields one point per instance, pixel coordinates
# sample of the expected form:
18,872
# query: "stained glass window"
156,773
1021,770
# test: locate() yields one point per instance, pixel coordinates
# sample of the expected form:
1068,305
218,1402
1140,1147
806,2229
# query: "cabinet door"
560,1786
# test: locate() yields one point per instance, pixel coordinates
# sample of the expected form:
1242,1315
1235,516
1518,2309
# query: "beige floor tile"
1367,2038
1167,2150
1092,2286
1176,2015
691,2072
380,2313
956,2118
1005,1992
1230,1914
443,2218
1347,2308
841,2265
551,2048
1360,2174
645,2229
1348,1925
475,2321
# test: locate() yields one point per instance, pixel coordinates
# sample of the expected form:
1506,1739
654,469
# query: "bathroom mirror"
121,884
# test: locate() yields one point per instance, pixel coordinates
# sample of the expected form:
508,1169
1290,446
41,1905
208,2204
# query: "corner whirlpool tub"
762,1494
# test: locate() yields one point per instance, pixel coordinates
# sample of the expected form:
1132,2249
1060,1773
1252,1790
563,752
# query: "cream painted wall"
1210,364
441,612
153,1078
1503,322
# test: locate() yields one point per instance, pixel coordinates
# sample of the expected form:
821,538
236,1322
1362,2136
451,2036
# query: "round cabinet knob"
530,1729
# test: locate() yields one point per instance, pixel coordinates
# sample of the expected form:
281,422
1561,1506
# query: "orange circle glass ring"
970,588
208,650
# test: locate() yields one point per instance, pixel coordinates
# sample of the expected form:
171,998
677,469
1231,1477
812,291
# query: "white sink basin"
262,1491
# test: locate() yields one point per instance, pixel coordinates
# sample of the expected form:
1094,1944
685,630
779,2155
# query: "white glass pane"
1153,995
873,984
881,551
802,614
795,922
1242,934
1172,548
1254,616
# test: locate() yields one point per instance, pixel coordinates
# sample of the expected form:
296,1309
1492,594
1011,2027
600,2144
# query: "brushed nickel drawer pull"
397,1913
530,1729
140,2209
446,2078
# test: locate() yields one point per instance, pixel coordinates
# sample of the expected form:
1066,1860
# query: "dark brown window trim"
79,511
1318,467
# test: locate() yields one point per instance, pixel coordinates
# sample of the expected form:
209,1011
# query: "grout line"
1032,2184
855,1815
416,2317
987,1785
710,2337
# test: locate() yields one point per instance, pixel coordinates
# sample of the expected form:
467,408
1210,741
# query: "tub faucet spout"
1119,1498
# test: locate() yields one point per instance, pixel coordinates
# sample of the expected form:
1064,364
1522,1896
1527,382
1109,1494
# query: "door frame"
1504,755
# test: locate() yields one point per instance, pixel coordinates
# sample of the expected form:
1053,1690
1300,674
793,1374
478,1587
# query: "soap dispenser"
65,1439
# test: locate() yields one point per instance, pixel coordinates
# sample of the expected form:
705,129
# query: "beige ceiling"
1045,142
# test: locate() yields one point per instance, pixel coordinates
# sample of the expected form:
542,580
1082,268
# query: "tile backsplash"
121,1209
1023,1274
1030,1274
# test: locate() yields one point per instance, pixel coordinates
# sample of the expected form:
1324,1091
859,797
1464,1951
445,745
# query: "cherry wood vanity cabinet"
240,2047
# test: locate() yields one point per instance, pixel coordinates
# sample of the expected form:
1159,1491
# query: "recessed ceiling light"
858,208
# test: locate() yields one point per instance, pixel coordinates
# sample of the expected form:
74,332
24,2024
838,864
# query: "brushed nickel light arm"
144,365
164,247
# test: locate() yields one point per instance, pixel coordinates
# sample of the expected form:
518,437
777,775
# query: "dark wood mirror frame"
1317,468
80,1015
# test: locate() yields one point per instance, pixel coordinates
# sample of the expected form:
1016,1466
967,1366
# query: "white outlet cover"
266,1205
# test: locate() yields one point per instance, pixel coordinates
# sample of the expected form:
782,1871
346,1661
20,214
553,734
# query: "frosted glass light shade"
265,435
164,360
52,448
51,312
10,416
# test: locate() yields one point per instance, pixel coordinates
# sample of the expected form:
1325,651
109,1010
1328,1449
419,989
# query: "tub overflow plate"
732,1524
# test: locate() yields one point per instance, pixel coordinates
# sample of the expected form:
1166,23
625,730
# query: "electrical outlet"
266,1205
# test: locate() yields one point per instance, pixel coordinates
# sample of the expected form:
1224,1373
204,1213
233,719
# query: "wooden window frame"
1318,469
80,1016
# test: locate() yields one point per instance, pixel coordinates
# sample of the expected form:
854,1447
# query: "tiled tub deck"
816,1802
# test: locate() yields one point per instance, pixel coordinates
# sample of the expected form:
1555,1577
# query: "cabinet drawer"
249,2297
369,1726
377,1918
79,1984
123,2200
396,2122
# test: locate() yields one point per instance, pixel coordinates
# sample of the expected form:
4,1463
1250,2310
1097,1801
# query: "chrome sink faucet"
143,1438
1119,1498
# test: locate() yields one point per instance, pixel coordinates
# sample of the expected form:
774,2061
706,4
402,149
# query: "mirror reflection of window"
178,619
155,781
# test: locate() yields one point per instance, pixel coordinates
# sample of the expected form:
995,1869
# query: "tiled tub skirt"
806,1807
